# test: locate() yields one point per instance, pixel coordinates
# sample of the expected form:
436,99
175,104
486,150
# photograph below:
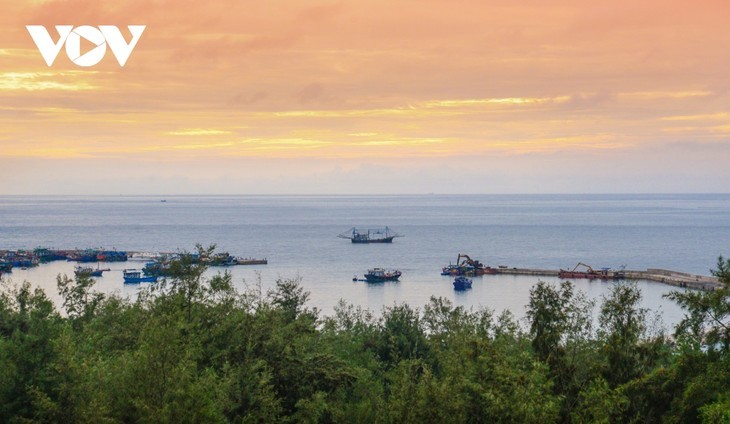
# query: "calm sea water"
297,234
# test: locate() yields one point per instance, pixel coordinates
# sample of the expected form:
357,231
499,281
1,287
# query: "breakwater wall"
674,278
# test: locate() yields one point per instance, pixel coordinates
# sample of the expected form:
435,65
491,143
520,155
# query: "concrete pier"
674,278
528,271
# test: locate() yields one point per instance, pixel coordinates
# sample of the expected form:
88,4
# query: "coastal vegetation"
195,349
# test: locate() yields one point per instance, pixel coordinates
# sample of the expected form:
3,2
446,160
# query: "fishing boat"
377,235
132,276
112,256
88,255
462,283
87,271
379,275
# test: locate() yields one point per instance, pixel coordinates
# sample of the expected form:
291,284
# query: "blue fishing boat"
462,283
133,276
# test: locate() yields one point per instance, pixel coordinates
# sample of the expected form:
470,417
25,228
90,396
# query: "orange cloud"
337,80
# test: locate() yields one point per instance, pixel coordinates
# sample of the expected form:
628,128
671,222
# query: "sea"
298,237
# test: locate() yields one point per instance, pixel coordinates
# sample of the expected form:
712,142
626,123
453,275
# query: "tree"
78,299
627,350
290,297
28,326
549,315
707,322
401,336
561,330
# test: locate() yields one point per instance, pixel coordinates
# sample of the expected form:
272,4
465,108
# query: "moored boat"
112,256
467,266
132,276
378,275
6,267
157,269
87,271
462,283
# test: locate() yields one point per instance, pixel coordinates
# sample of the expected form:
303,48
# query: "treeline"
193,349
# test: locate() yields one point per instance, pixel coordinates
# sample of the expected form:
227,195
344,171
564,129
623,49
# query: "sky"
370,97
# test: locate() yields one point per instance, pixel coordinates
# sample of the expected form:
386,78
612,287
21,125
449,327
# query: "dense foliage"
193,349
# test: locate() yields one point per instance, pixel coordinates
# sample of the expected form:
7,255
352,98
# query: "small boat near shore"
462,283
133,276
379,275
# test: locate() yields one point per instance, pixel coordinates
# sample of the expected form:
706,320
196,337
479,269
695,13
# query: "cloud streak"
334,81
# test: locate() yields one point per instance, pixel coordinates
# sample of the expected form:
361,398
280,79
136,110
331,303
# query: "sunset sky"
399,96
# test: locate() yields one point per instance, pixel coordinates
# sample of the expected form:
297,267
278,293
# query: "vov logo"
100,37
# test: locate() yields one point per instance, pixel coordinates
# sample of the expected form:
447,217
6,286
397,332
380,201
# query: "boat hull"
368,241
136,280
95,273
374,279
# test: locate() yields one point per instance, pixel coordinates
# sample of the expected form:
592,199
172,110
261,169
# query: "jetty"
674,278
465,265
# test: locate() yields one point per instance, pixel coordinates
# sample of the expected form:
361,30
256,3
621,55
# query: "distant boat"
377,235
132,276
378,275
250,261
462,283
87,271
144,256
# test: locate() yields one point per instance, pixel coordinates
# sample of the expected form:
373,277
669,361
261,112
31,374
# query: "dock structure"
674,278
26,258
528,271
